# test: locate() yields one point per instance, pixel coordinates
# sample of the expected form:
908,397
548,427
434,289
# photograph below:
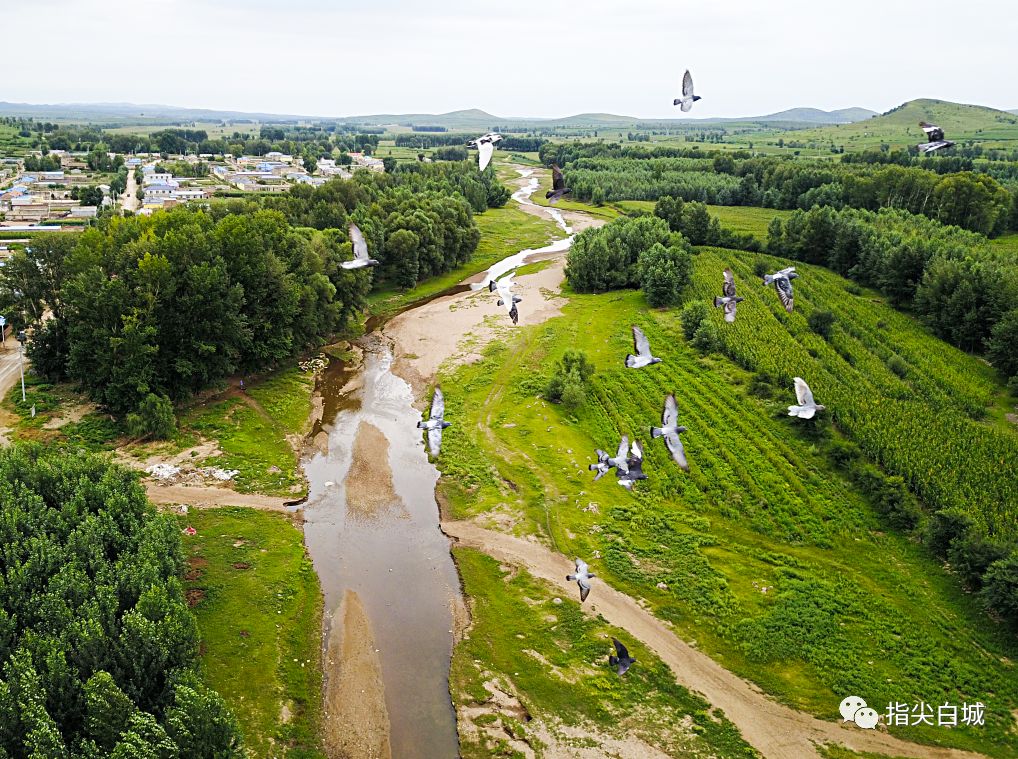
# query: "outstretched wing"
360,245
435,440
621,650
584,588
637,451
687,85
640,342
802,392
438,404
581,567
670,415
728,288
485,149
674,444
784,287
623,448
557,181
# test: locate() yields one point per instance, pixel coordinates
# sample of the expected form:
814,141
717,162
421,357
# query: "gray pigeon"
729,300
623,661
807,407
360,251
643,356
670,430
606,462
558,186
436,423
935,138
688,98
504,287
582,578
783,284
485,148
634,468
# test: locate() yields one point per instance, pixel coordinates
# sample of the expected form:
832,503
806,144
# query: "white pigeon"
436,423
688,98
783,284
485,148
504,287
670,430
605,461
729,301
643,356
807,407
582,578
360,251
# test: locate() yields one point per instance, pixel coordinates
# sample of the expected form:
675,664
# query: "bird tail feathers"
491,286
718,302
629,360
656,432
420,425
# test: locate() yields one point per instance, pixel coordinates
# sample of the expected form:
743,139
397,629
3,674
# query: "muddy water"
393,555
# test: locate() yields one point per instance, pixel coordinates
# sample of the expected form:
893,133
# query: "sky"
543,58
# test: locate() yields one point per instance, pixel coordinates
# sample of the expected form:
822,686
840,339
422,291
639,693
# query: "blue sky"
521,58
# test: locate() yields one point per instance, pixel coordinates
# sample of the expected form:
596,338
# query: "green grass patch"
774,563
515,617
259,610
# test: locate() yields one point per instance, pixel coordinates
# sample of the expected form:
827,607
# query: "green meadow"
772,559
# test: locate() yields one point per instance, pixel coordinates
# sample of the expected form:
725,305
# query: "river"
372,526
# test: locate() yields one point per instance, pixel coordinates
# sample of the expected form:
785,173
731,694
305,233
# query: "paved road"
10,374
129,200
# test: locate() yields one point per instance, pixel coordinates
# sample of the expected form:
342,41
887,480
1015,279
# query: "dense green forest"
98,650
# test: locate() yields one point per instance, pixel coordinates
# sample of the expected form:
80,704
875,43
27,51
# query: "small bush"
707,338
692,316
153,419
821,322
897,365
1000,587
568,384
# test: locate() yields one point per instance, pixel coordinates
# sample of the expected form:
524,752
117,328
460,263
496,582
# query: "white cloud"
530,57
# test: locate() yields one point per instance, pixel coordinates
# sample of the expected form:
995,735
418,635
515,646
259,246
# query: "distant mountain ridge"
131,113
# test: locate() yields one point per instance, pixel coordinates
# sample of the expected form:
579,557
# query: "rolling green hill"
900,127
766,553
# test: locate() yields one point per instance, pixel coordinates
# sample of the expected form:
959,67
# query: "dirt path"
209,497
777,731
356,720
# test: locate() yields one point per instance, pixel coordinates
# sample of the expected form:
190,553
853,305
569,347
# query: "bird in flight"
643,356
783,284
688,98
605,461
582,578
807,407
634,467
436,423
558,186
728,299
504,287
360,251
670,430
934,138
623,661
485,145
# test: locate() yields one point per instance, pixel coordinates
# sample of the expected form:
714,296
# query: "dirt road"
208,497
775,730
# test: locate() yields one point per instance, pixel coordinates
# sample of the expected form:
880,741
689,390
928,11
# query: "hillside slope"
764,553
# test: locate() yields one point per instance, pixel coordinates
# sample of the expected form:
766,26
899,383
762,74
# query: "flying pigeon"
623,661
606,462
783,284
729,300
807,406
505,295
360,251
642,347
436,423
582,578
670,430
558,186
935,138
485,148
634,467
688,98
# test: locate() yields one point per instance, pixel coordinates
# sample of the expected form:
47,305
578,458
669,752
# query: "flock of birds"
628,459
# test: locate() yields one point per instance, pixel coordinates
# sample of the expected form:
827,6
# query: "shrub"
153,419
692,316
897,365
971,556
664,274
1000,587
707,338
568,384
822,323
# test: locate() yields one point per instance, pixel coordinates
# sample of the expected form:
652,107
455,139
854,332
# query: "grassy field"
774,562
259,610
563,674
